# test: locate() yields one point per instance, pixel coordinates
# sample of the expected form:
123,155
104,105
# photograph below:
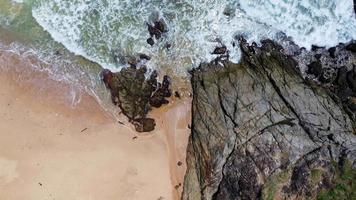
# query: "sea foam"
98,30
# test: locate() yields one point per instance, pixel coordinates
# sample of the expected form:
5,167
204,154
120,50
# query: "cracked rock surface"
262,131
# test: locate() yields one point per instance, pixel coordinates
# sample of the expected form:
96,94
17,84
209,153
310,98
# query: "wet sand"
49,150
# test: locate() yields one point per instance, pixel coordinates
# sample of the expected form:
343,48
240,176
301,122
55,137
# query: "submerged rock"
135,94
260,130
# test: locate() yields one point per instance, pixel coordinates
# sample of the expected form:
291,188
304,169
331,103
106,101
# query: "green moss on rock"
344,184
273,184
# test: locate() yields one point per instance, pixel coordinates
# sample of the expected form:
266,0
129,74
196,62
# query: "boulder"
144,125
150,41
135,94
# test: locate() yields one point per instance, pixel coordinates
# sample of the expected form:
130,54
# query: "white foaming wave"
308,22
74,24
32,60
55,68
98,29
18,1
64,28
193,26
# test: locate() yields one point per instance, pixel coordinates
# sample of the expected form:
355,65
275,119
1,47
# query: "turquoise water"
71,33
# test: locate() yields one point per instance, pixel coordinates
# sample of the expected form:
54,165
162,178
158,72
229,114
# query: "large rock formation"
260,130
136,95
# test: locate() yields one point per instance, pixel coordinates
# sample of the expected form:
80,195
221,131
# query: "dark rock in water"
157,30
144,57
229,11
315,48
161,26
168,46
144,125
315,68
332,52
135,94
153,31
351,47
150,41
261,131
220,50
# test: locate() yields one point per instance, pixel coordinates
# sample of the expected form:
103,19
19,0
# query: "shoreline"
54,128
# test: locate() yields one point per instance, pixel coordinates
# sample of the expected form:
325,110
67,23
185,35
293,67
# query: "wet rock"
168,46
351,47
153,31
261,131
161,25
157,29
144,124
159,97
150,41
135,95
315,68
316,48
332,51
229,11
220,50
144,57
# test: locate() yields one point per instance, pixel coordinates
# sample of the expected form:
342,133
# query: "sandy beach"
49,150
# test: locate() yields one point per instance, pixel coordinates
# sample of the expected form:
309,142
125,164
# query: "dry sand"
51,151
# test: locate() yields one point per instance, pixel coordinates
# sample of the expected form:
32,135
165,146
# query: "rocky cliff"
263,130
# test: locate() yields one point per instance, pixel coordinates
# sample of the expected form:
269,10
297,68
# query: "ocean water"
72,33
